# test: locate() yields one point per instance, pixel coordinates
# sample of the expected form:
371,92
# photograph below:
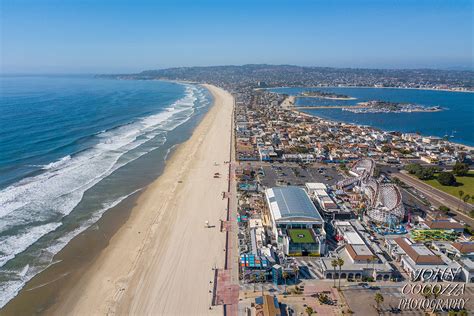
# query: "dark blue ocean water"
73,147
45,119
456,121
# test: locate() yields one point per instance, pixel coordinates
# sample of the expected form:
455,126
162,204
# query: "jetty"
330,107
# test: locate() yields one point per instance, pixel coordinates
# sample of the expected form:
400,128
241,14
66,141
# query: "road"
437,197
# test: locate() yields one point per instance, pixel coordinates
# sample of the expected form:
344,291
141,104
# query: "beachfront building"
465,258
416,256
257,235
462,253
444,223
362,258
297,226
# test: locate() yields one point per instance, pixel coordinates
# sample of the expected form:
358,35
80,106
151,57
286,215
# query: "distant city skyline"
121,36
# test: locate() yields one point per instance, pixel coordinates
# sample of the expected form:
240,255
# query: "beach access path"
161,261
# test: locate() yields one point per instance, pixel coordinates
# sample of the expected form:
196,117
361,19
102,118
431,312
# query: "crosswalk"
267,287
307,269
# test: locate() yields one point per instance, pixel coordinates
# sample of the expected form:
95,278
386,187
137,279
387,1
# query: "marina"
456,107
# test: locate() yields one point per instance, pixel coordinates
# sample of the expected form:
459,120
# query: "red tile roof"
417,258
464,247
443,224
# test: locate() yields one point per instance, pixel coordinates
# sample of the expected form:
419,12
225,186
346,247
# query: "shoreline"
468,147
51,284
84,242
288,105
142,269
99,259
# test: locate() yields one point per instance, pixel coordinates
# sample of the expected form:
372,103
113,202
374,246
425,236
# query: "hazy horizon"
74,37
229,65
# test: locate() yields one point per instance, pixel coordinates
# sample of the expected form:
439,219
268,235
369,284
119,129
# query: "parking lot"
361,299
294,174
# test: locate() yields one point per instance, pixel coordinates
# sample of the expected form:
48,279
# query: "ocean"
73,147
456,121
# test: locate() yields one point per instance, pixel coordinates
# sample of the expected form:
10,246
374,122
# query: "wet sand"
154,253
53,284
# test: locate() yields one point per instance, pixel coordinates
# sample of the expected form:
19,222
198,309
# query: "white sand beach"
160,262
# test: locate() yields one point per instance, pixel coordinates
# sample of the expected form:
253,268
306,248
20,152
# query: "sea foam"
35,206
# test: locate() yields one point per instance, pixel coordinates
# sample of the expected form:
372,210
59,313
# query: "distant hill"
290,75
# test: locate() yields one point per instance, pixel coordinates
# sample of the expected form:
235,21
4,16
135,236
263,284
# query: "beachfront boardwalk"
227,289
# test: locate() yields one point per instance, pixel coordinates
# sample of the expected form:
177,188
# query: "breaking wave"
35,206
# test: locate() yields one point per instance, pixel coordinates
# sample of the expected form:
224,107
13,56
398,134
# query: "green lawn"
465,184
301,236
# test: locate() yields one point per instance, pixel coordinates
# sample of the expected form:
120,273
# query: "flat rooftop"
320,193
291,202
362,250
354,238
316,186
422,250
299,236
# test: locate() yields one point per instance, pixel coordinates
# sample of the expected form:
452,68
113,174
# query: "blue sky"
90,36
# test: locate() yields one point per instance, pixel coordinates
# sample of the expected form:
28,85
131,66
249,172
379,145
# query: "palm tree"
460,193
285,276
463,312
295,272
425,294
374,259
466,198
323,298
309,310
334,264
262,279
253,278
340,263
378,299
